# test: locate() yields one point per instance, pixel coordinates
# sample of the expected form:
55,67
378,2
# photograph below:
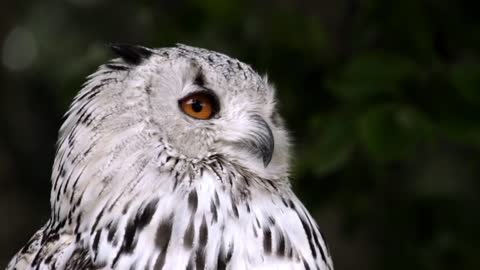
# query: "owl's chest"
205,227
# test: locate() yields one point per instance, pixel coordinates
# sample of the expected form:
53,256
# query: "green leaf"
466,79
372,74
331,147
461,128
392,132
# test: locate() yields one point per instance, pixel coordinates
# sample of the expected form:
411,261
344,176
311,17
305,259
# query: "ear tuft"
132,54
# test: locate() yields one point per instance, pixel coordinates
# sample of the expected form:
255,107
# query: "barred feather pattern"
124,198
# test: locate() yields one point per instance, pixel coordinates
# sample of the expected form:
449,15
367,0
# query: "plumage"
137,183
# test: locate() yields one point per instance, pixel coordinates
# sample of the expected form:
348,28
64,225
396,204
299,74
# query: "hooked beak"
260,141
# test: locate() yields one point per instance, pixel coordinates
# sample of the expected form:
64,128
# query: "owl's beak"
261,141
253,136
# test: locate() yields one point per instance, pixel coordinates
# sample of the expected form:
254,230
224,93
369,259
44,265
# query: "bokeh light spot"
19,49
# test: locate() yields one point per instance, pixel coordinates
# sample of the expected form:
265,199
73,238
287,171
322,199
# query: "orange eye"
199,105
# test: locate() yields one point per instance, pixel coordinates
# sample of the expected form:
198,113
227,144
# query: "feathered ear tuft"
132,54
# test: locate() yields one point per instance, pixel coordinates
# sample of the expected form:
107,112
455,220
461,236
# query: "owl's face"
205,104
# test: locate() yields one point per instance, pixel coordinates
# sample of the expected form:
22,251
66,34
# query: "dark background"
382,98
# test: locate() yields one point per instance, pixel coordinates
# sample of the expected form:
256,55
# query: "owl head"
205,103
199,103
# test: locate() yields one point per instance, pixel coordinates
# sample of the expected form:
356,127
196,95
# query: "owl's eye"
200,105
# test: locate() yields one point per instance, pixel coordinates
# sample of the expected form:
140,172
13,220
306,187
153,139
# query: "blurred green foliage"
382,97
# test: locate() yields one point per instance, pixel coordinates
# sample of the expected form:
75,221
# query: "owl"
174,158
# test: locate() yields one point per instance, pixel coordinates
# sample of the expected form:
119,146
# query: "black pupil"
197,105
